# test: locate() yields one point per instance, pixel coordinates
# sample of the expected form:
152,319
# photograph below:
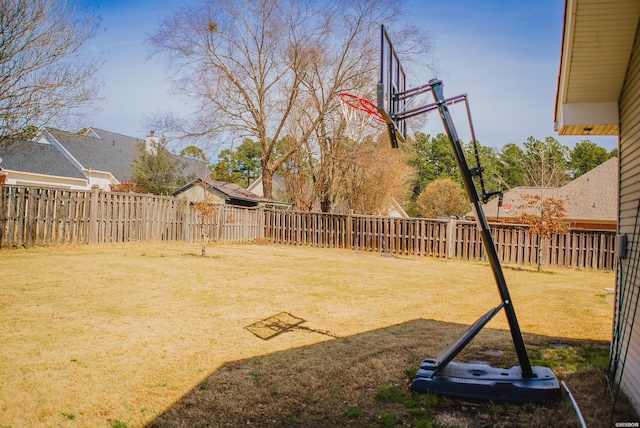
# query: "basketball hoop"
359,113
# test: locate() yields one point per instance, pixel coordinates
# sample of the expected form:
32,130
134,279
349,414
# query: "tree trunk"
325,204
541,242
203,235
267,183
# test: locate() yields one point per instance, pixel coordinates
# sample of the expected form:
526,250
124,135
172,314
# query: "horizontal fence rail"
226,224
43,216
450,238
307,228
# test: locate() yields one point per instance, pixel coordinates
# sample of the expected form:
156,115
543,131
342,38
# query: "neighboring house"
589,200
103,161
396,210
221,192
279,192
599,94
105,157
279,188
29,163
92,159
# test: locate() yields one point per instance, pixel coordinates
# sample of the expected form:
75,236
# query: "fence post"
93,218
31,223
185,223
601,252
451,238
348,233
4,221
261,222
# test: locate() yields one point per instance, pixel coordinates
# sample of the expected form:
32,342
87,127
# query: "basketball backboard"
391,88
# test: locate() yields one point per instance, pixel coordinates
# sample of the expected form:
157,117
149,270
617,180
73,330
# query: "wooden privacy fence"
589,249
307,228
38,216
450,238
226,224
45,216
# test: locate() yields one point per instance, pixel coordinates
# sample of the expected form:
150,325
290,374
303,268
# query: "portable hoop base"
484,382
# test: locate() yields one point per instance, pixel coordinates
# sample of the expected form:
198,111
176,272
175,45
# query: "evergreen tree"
432,158
585,156
511,168
194,152
156,170
240,166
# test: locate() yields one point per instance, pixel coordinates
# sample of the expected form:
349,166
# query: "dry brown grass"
127,335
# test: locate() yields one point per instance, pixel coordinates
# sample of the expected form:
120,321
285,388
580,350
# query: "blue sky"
503,54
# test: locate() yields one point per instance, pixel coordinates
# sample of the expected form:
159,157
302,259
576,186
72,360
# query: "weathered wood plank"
32,216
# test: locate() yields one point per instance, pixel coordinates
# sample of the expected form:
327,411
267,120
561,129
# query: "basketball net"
359,114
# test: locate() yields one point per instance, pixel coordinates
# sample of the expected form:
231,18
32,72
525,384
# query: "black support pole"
483,225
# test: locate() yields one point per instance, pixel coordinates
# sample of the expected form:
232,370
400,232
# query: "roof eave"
585,103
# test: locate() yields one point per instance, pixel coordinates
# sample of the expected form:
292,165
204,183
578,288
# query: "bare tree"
545,162
544,217
269,69
208,214
372,178
347,58
44,75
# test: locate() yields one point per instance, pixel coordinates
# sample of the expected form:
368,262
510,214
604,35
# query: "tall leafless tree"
45,77
546,162
371,176
354,46
271,69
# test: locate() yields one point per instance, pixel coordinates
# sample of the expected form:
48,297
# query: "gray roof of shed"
232,190
236,191
37,158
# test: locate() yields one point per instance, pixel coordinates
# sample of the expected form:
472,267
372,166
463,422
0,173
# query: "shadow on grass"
363,380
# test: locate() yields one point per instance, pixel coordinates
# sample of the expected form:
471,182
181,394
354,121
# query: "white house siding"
628,205
19,178
100,179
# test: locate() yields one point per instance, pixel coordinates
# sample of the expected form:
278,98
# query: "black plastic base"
483,382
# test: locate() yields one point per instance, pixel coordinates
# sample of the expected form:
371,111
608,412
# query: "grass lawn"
263,335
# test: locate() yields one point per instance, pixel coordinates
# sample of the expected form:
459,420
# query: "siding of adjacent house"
628,205
197,193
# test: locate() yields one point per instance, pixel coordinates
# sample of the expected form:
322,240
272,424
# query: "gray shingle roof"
232,190
37,158
111,152
236,191
592,196
193,166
